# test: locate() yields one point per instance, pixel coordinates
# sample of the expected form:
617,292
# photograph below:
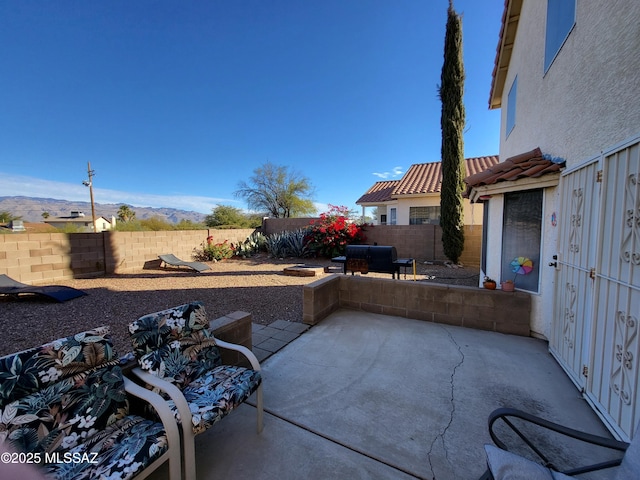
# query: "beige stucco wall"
588,99
472,213
585,103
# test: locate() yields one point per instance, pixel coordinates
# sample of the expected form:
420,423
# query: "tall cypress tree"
451,92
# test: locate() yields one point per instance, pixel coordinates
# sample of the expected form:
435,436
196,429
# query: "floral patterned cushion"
175,344
120,451
32,370
68,397
213,395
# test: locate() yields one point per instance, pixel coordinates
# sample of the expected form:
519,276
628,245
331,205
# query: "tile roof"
379,193
424,178
420,179
530,164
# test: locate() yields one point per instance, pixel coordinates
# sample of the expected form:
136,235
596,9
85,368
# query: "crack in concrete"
441,435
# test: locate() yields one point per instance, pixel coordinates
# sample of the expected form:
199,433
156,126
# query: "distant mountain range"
31,210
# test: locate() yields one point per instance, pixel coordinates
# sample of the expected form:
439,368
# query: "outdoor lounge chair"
178,356
171,259
9,286
504,465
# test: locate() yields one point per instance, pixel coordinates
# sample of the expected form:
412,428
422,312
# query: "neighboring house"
566,78
82,222
415,199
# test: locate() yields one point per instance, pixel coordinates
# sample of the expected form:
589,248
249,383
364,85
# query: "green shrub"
213,251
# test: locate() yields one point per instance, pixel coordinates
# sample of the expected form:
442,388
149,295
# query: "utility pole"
89,183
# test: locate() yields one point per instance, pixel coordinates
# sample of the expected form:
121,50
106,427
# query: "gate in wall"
597,305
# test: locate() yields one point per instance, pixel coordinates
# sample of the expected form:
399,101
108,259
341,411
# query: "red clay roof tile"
530,164
380,192
420,179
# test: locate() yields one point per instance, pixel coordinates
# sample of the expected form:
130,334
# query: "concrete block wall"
277,225
470,307
235,328
424,242
130,251
39,258
319,299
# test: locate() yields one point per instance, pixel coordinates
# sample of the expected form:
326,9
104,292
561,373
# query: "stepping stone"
303,270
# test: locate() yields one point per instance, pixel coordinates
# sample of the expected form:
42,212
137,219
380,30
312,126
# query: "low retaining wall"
471,307
235,328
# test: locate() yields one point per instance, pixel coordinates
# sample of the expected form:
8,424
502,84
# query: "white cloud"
17,185
395,172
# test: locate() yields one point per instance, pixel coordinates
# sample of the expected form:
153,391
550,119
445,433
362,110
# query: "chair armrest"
159,405
170,389
504,414
243,350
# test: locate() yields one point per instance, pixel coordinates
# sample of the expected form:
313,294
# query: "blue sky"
174,103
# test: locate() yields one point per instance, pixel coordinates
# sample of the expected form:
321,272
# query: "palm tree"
125,214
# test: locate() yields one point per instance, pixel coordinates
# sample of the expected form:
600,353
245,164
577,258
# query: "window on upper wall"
392,214
511,106
561,17
424,215
521,237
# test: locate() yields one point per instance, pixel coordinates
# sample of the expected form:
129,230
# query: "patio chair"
180,357
504,465
59,293
65,406
171,259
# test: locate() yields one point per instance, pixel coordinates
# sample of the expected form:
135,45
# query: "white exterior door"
597,306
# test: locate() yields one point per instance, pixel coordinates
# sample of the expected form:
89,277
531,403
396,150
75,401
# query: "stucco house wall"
585,103
588,99
472,213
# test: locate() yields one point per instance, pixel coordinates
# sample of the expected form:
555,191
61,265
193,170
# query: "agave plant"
276,244
298,243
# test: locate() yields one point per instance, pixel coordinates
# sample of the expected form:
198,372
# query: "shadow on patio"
371,396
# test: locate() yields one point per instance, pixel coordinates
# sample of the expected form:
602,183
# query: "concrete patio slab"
371,396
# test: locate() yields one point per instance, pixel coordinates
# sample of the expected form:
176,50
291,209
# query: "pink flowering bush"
330,235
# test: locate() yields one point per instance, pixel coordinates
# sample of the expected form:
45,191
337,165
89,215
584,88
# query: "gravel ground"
255,285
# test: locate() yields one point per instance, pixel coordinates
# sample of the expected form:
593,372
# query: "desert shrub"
252,245
276,244
213,251
298,243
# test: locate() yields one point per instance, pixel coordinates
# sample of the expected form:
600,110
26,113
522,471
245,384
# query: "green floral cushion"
175,344
32,370
67,397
